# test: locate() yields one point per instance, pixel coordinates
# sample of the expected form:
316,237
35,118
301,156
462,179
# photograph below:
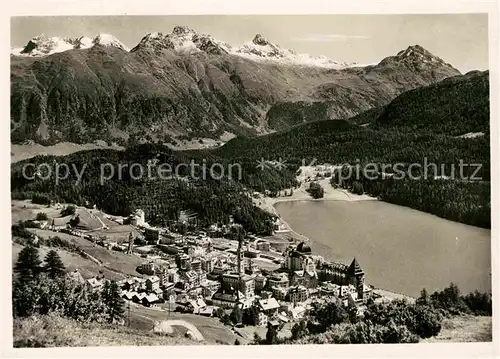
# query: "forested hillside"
162,196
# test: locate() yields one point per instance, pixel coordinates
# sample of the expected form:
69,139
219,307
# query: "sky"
459,39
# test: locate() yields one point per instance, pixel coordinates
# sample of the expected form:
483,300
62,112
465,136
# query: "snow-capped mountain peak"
260,40
42,45
261,49
184,40
109,40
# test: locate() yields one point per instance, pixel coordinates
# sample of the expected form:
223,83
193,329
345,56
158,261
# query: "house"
207,264
137,297
282,318
196,265
158,292
224,300
141,283
137,218
172,275
306,278
209,288
129,295
244,283
148,268
131,284
297,312
153,283
263,245
268,306
190,279
260,282
168,290
278,280
195,305
260,319
279,293
273,323
208,311
152,235
298,294
95,283
329,289
150,300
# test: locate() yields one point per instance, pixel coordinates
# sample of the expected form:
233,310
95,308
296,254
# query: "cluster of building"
201,276
197,274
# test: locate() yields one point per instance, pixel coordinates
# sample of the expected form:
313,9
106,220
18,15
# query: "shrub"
41,216
68,211
315,190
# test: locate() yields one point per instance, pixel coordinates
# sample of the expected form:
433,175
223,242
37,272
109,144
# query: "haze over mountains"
190,85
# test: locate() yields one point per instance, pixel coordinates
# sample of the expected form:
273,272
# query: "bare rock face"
186,84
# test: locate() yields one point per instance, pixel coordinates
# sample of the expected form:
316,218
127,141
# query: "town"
209,273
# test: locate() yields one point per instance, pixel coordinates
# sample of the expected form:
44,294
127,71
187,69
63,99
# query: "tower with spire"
130,243
358,275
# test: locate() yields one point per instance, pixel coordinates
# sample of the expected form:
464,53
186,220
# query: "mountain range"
190,85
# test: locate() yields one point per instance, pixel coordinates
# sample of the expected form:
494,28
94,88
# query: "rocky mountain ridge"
188,85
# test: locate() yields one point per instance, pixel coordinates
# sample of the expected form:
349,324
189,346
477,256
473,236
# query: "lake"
400,249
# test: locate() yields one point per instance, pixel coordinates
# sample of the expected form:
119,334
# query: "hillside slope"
55,331
423,122
454,106
160,91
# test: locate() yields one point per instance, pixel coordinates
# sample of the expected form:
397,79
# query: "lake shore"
301,194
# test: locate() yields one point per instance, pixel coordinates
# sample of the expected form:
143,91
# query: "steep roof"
355,269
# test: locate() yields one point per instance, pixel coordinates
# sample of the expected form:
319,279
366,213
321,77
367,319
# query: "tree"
219,312
68,298
54,265
299,330
28,264
330,313
41,216
424,297
113,301
75,221
427,322
479,303
315,190
68,211
271,335
236,315
225,319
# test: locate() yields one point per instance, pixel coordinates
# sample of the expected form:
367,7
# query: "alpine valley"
249,193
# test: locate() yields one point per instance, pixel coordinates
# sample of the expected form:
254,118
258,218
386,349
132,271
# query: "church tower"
357,277
130,243
238,233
